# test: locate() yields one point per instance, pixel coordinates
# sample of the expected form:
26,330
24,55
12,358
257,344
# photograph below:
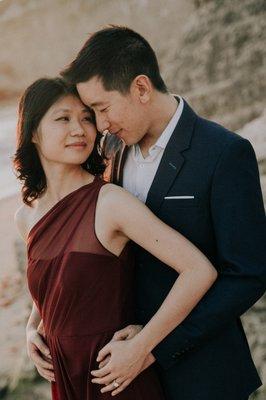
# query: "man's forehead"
93,92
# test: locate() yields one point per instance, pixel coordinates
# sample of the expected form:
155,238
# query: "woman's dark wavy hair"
33,105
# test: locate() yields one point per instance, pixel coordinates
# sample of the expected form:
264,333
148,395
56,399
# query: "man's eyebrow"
97,103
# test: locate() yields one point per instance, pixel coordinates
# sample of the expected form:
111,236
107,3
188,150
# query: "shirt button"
141,165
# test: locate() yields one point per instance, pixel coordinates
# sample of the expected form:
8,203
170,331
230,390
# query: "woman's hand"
39,353
126,360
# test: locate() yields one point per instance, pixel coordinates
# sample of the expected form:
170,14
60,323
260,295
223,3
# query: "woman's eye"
63,119
89,119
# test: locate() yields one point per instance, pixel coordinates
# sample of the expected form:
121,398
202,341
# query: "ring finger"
109,387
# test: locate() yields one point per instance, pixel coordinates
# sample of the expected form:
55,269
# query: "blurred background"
212,52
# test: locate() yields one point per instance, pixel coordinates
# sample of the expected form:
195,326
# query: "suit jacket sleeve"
239,224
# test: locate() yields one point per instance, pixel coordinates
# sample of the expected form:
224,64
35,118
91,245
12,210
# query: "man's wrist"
142,345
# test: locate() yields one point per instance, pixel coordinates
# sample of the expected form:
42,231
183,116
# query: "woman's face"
66,133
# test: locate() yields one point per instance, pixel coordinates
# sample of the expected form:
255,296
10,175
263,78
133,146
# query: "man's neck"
163,109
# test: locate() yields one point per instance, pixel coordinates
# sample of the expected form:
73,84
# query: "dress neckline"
35,226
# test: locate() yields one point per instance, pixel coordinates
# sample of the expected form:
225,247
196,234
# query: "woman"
78,230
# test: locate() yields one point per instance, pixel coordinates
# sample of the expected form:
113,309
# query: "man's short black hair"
116,55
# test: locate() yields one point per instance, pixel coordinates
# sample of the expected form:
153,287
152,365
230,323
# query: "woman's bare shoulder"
111,192
115,201
22,218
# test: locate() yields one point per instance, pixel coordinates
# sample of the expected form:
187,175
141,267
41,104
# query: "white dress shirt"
139,172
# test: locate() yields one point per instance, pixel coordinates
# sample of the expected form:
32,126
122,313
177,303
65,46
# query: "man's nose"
102,123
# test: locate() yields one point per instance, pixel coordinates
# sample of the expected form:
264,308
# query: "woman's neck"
60,183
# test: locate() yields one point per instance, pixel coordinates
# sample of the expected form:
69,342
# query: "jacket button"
177,354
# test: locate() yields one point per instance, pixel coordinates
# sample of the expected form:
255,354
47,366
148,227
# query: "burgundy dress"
84,293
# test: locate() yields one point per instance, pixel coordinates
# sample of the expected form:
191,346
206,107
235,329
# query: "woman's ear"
34,138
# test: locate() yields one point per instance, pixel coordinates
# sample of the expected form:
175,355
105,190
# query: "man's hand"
126,360
124,334
127,333
39,352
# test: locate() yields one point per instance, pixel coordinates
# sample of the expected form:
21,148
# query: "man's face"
121,114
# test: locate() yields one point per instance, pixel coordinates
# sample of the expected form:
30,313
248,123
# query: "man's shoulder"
215,138
215,132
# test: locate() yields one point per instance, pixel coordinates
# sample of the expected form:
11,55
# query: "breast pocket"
186,215
180,202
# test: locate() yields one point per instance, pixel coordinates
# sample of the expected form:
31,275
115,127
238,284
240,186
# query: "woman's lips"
78,145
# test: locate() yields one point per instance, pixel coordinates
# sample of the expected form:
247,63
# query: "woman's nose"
77,129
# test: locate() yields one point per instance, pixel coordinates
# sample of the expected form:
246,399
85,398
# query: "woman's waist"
85,323
67,332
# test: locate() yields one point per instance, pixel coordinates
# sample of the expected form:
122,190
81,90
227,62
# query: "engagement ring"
116,384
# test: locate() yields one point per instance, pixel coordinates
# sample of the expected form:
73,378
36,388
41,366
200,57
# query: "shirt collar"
169,129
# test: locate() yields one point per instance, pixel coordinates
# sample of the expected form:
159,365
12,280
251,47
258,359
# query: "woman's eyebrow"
85,110
61,110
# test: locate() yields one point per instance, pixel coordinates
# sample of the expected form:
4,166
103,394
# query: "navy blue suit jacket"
207,356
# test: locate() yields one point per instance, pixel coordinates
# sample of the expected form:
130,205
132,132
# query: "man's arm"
239,224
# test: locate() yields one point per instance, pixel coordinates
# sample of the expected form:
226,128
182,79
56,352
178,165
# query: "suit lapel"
122,160
171,162
173,159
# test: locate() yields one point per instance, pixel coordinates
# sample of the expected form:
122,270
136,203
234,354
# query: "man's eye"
104,109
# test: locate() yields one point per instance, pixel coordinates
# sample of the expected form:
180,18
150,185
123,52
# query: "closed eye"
104,109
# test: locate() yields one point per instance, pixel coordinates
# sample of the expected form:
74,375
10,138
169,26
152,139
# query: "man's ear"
142,87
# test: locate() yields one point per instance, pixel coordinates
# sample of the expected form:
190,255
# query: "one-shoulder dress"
84,293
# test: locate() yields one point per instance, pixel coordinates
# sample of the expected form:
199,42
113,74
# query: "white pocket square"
179,197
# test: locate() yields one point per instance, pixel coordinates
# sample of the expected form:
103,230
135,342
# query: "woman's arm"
37,349
34,319
132,220
136,222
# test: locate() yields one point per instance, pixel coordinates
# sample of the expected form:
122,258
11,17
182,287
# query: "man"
203,181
